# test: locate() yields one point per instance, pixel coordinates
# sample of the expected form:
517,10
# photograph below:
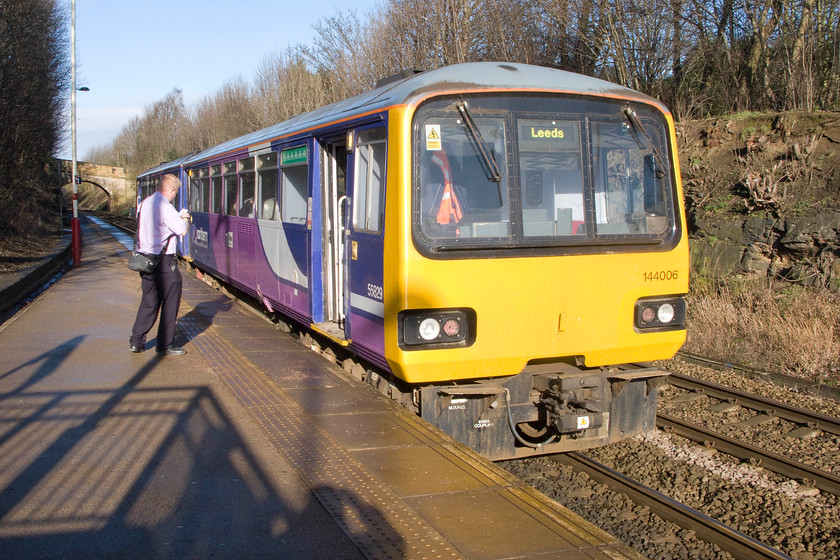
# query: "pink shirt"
158,220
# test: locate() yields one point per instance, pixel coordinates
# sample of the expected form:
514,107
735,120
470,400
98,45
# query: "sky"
131,54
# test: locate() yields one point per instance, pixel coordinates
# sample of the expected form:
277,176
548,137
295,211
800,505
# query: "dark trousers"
161,292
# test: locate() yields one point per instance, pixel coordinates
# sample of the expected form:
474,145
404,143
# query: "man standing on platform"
159,224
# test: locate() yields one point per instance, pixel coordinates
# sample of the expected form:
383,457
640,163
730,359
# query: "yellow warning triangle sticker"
433,135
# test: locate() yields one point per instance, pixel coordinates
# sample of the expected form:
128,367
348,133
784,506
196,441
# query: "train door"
221,235
245,239
364,245
334,217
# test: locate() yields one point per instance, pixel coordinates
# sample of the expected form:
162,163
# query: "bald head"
168,186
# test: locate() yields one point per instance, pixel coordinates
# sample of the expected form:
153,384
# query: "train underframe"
546,408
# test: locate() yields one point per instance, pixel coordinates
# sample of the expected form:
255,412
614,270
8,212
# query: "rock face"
763,195
803,249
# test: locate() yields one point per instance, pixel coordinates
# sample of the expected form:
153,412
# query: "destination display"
294,156
540,135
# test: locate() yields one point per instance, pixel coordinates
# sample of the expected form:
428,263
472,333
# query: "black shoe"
136,349
171,351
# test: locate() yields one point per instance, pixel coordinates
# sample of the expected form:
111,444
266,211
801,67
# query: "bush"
775,327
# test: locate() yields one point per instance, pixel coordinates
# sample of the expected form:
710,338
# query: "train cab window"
230,189
463,179
268,207
547,172
369,186
247,188
628,194
551,176
294,172
216,188
204,204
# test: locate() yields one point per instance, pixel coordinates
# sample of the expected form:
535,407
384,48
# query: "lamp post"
75,230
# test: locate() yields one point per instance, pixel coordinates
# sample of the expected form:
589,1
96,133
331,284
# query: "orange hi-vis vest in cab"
450,208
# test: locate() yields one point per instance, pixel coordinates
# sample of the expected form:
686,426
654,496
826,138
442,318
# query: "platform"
249,446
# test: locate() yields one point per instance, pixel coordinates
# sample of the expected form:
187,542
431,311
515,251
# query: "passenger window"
247,188
205,190
216,186
268,206
230,188
294,166
195,190
369,198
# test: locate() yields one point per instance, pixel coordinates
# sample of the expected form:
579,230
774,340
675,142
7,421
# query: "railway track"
765,410
126,224
731,540
759,404
777,378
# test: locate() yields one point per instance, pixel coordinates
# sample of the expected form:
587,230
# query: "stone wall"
112,181
804,249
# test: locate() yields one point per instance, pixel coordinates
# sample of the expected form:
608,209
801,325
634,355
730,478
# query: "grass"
770,326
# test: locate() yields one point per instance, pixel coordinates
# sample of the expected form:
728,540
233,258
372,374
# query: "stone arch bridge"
112,183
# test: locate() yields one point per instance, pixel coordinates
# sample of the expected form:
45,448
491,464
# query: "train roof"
474,76
167,166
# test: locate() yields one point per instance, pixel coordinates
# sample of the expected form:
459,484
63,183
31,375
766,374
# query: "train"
500,244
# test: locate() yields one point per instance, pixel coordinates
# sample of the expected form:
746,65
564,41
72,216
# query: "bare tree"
284,87
224,115
33,85
338,55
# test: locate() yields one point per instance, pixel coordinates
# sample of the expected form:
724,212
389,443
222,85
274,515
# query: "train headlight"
436,328
666,313
657,314
429,329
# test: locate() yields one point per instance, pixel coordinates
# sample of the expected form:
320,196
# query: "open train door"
334,198
353,194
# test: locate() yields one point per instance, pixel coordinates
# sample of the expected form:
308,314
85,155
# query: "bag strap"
137,228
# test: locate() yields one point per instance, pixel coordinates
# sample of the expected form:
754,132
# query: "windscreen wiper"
490,167
661,162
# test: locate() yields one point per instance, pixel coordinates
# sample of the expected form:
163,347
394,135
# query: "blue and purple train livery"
494,240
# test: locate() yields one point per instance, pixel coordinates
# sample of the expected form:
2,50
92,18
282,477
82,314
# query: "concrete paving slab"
109,454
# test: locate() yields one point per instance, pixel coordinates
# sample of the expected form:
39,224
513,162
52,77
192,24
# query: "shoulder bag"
144,262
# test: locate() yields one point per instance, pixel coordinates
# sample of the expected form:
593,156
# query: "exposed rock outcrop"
804,249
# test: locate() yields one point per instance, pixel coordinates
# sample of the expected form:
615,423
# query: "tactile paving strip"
372,515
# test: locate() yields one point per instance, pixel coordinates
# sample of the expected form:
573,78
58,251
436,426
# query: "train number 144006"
655,275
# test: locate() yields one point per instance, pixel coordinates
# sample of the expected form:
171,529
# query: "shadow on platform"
143,472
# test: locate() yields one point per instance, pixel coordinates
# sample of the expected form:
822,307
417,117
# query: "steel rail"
727,538
767,459
818,389
754,402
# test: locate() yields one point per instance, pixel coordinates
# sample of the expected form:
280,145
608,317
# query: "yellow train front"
535,241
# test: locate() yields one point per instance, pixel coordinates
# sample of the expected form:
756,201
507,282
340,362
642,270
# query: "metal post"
75,229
